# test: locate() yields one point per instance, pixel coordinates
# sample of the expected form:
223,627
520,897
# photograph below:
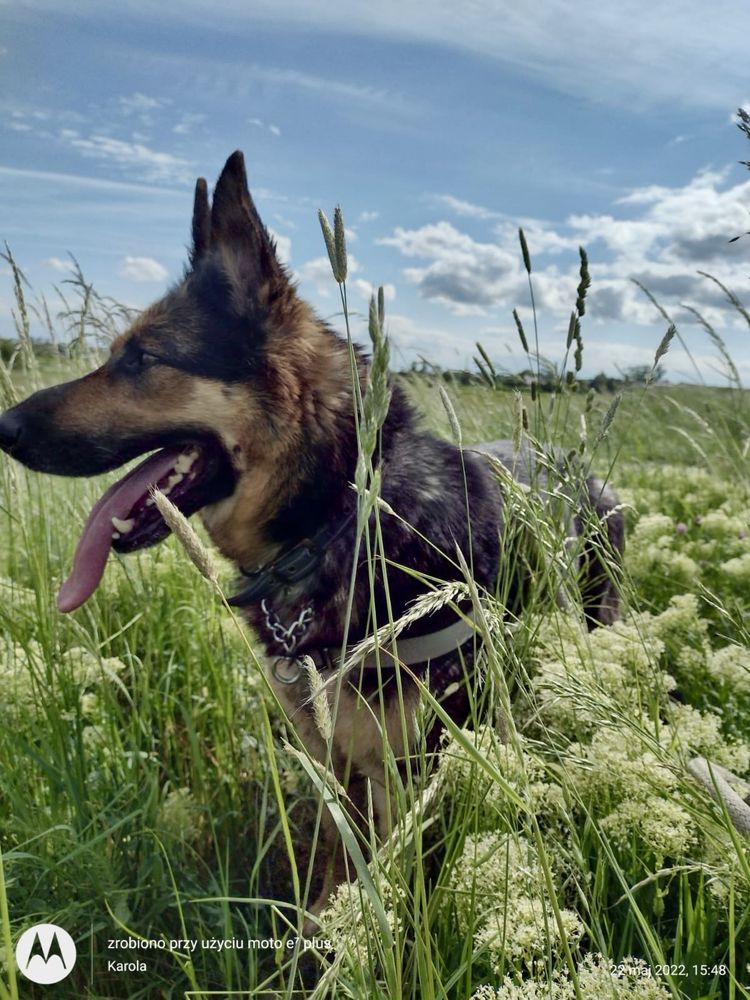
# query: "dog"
243,399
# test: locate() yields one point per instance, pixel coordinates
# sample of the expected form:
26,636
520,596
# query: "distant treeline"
546,380
10,346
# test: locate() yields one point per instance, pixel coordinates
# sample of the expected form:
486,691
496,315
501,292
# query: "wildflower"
636,792
89,705
728,871
349,919
738,570
582,677
616,765
500,897
598,978
96,739
730,666
18,690
699,733
721,524
683,633
178,816
661,824
85,669
471,786
629,978
651,528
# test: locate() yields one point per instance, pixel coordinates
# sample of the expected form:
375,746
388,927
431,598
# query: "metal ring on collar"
286,669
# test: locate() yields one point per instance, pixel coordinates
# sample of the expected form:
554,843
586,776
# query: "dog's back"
593,519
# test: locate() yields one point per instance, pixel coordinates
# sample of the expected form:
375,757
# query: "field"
151,793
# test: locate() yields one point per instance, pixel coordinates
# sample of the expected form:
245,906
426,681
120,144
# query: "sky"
439,128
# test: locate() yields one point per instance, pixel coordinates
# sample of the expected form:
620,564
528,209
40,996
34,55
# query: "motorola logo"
45,953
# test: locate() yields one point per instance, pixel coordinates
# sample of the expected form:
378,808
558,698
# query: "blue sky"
439,128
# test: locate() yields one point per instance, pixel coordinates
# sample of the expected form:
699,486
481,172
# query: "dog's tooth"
174,479
115,535
185,461
150,502
123,526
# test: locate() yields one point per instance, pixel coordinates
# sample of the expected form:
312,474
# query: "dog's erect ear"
201,221
235,222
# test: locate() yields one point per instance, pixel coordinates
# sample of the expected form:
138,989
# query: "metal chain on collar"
287,638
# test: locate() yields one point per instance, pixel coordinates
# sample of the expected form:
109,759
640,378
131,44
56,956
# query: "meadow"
153,799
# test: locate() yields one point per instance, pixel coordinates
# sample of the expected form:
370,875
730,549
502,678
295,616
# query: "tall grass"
151,789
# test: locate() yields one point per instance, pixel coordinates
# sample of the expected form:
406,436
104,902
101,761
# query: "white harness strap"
408,652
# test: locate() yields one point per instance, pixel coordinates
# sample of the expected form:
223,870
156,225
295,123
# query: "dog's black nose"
10,430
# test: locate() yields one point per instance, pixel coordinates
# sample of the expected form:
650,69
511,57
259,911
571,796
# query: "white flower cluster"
500,897
598,979
585,677
634,793
178,817
20,671
693,529
350,922
608,691
477,770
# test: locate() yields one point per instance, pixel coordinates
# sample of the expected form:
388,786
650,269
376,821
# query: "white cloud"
467,208
629,53
137,104
143,269
410,339
659,235
368,216
283,246
318,273
87,183
466,276
259,123
366,289
332,87
58,264
148,164
187,123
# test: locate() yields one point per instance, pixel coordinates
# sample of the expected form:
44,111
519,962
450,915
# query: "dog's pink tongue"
95,542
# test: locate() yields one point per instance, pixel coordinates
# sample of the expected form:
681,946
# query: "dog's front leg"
329,861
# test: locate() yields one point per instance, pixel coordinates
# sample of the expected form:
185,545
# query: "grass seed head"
525,251
452,418
186,536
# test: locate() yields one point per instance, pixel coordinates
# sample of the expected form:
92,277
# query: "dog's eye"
137,360
146,360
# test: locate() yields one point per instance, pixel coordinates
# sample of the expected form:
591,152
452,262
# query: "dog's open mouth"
126,517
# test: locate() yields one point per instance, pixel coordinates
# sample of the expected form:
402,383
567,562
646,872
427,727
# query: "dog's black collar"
295,565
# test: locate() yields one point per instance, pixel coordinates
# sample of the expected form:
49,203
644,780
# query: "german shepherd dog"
243,399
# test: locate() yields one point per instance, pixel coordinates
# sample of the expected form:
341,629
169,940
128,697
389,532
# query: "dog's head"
228,380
